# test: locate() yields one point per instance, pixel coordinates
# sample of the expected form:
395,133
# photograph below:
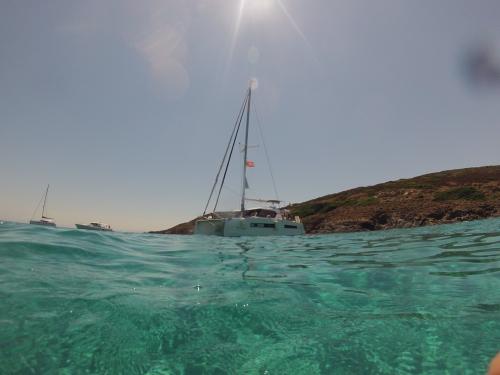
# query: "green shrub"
421,184
308,210
367,201
466,193
324,207
327,207
314,208
302,211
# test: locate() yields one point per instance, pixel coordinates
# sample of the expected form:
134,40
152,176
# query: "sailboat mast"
44,201
245,151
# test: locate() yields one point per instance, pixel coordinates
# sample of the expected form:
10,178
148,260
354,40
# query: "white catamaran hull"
249,226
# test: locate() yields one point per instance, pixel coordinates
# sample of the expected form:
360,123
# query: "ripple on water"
400,301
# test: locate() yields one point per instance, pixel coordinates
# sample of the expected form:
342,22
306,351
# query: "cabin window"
290,226
260,212
262,225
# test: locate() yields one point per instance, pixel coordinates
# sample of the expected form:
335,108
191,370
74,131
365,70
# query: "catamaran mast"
245,151
44,201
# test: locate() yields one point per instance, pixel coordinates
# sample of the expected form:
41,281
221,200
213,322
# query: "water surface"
415,301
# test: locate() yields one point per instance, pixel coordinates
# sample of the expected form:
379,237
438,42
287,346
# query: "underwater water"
412,301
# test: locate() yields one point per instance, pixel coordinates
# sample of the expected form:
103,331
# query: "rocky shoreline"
436,198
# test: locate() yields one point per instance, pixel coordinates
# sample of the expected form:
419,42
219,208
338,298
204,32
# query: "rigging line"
231,153
244,183
45,201
224,158
265,151
36,209
232,191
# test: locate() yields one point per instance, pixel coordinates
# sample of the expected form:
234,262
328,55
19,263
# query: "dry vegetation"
436,198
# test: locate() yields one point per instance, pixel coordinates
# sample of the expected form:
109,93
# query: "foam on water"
413,301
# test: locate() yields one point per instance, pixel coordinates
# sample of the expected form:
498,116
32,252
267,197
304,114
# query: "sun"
254,8
260,10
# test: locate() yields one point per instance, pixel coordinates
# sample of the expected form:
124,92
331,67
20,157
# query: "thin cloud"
165,50
154,29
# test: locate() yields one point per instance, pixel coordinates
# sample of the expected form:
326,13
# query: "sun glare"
249,7
258,7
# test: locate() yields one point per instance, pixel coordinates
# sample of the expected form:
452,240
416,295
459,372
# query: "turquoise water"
419,301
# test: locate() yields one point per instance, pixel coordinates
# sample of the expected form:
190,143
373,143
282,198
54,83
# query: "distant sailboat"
271,220
44,220
95,226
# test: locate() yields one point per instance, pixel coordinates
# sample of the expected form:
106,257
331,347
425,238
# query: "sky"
125,107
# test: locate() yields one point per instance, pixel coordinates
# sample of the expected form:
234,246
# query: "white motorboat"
44,220
269,220
94,226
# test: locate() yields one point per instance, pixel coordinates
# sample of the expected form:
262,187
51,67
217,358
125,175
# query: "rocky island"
435,198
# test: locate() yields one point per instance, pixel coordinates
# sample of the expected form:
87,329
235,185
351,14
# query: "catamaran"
44,220
267,220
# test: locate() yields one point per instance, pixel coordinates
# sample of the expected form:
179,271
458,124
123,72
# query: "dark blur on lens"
482,66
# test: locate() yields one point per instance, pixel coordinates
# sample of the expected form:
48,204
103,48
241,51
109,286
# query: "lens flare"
235,34
254,83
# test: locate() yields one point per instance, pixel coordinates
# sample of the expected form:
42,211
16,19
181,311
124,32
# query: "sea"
408,301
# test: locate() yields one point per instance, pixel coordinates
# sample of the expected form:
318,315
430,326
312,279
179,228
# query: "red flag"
250,164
